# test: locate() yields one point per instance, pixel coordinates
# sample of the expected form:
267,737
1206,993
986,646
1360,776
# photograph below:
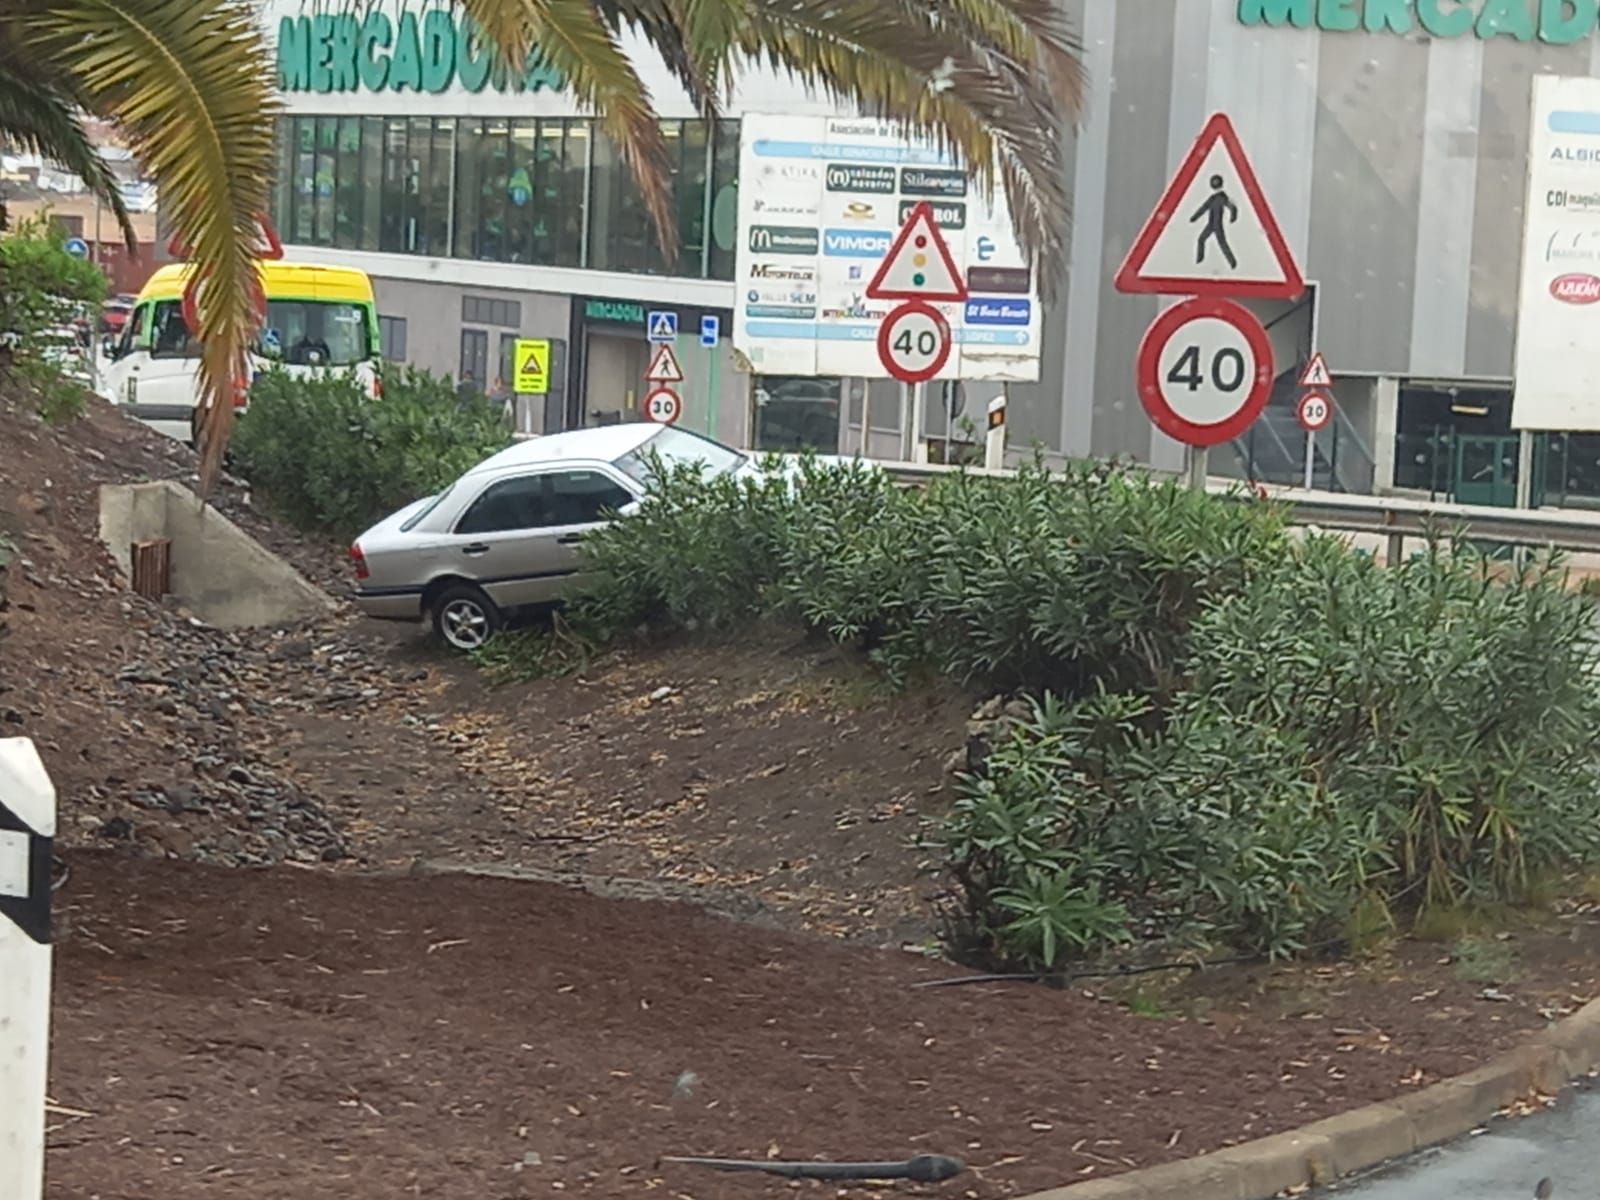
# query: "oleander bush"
1239,736
332,458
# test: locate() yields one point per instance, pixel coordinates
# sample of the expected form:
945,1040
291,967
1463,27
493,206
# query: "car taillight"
359,561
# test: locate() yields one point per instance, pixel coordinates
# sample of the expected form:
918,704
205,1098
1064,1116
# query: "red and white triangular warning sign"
1213,233
664,366
919,265
1316,374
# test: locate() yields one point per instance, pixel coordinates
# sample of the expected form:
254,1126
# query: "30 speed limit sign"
1314,411
1205,371
914,342
663,406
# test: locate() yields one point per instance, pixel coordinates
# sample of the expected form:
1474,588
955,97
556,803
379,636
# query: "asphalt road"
1505,1163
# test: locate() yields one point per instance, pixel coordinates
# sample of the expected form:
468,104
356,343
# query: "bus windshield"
315,333
298,333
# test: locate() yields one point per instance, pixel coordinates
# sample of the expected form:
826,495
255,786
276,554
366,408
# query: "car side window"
584,497
508,505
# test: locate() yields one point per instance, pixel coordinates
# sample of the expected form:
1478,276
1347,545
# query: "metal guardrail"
1389,516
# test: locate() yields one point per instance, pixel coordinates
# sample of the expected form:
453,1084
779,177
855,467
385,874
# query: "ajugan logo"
1576,288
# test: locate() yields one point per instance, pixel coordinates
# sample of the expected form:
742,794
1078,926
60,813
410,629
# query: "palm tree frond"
191,83
575,38
40,114
928,69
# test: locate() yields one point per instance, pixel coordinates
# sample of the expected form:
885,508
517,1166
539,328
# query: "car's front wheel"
465,619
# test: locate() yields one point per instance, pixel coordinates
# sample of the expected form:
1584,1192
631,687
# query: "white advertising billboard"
820,200
1558,312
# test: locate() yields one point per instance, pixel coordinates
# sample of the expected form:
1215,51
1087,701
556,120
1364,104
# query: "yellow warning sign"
532,376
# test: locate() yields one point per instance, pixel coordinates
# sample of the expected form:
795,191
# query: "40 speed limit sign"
1205,371
914,342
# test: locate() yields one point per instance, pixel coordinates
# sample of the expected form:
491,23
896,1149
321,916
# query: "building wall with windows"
1390,138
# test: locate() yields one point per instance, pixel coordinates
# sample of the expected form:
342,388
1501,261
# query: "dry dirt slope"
753,779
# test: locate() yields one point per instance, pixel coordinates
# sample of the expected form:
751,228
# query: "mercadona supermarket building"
1390,136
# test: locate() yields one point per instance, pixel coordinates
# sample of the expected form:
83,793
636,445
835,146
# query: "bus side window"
172,338
133,331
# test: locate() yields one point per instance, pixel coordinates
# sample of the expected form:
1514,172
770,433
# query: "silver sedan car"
506,535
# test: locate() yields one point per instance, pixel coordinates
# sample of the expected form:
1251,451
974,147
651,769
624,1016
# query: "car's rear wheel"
465,619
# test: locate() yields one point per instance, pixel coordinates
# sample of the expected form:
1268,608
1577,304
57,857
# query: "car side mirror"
108,346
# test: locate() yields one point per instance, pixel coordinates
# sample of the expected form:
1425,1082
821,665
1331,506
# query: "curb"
1317,1154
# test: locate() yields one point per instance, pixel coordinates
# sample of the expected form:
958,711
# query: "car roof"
604,444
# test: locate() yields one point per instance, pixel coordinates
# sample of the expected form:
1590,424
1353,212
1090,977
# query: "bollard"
994,443
27,827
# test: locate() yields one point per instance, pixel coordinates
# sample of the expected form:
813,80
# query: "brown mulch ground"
308,1030
290,1033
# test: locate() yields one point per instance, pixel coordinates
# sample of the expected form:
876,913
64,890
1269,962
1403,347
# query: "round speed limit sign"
914,342
1205,371
663,406
1315,410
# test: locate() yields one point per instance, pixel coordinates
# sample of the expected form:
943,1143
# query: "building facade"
1390,137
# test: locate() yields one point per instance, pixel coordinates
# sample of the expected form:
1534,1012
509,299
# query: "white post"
1311,457
866,414
905,422
27,825
919,401
1525,456
994,442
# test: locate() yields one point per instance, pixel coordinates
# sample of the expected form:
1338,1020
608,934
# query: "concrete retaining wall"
219,572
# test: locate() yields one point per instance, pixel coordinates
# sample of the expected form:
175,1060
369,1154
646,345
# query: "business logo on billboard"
920,181
1576,288
1582,246
783,209
786,272
1583,156
859,210
853,243
780,296
796,172
841,177
946,216
1008,280
782,239
781,312
988,311
857,310
1582,202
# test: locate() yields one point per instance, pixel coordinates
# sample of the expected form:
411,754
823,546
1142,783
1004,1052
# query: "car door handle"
475,549
569,539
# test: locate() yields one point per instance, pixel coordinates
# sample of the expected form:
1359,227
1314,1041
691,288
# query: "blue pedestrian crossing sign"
710,330
661,325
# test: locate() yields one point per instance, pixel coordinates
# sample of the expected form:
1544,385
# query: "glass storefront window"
542,191
797,413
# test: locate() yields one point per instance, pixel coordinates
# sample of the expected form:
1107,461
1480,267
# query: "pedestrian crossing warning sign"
532,375
1212,232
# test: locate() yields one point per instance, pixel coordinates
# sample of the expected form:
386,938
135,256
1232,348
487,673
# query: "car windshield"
674,447
315,333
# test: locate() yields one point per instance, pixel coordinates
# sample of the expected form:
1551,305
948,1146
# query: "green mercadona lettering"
1558,22
344,52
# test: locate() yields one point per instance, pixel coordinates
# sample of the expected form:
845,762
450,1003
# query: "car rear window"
417,517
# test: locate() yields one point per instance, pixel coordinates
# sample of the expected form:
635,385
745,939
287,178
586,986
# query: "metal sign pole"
905,422
1199,456
1311,457
27,827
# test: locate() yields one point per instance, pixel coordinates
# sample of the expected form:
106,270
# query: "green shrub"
1041,582
330,457
1346,737
43,289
